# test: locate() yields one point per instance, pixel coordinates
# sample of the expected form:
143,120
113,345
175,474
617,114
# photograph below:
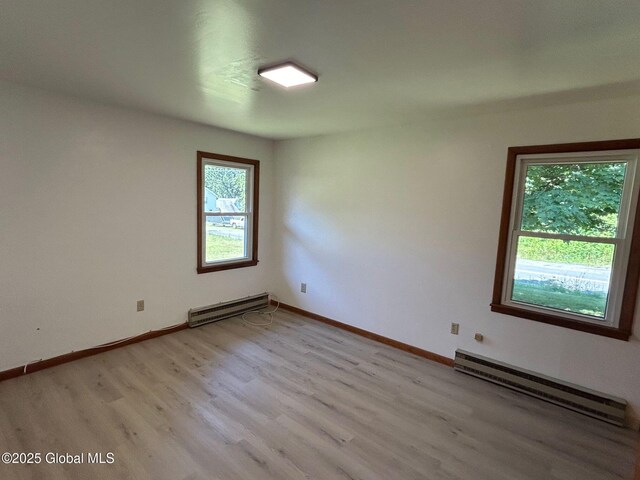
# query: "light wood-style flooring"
295,400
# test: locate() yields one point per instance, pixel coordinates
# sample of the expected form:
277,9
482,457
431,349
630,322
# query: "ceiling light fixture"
287,74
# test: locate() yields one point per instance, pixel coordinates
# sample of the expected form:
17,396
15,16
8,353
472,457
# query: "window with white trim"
568,252
227,212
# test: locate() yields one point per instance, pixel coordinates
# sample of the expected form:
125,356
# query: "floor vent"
589,402
219,311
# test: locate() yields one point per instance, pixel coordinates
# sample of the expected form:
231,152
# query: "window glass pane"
222,240
573,199
571,276
224,189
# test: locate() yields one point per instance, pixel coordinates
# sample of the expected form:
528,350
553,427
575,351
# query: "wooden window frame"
252,260
623,330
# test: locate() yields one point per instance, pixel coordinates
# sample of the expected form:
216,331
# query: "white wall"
98,210
395,231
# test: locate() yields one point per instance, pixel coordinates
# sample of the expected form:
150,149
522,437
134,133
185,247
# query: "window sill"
227,266
561,321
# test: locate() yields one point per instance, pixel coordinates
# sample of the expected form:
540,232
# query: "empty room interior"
304,239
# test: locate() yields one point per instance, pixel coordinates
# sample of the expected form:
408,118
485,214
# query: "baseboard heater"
595,404
213,313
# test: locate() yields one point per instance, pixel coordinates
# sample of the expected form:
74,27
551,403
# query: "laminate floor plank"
296,400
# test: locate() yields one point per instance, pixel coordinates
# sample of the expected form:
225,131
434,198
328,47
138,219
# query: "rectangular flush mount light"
288,74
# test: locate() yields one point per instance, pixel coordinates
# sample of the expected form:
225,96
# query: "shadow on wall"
577,95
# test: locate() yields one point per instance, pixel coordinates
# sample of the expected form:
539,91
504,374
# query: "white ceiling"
379,61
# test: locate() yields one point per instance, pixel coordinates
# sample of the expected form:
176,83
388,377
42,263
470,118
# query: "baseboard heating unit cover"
595,404
213,313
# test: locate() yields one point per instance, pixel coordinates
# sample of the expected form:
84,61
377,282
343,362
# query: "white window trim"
622,241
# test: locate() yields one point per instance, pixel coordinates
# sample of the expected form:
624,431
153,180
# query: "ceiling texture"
380,62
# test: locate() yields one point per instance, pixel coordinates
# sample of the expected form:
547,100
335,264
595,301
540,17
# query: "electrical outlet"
140,305
303,287
455,327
